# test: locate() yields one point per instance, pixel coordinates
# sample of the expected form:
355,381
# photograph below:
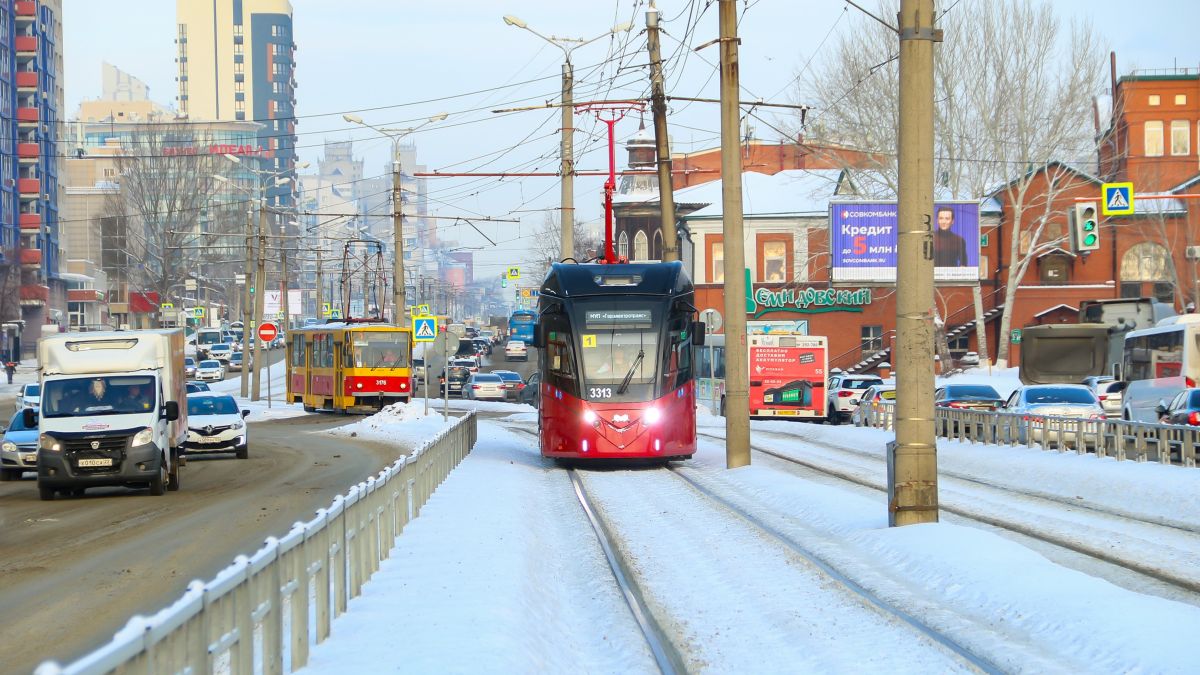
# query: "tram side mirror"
537,341
698,330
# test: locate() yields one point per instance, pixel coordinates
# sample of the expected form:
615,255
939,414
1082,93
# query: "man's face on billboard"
945,219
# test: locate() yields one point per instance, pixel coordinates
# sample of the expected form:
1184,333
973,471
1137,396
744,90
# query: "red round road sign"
267,332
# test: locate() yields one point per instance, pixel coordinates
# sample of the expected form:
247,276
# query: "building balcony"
84,295
27,79
29,187
31,257
28,150
27,116
31,221
34,295
26,44
25,10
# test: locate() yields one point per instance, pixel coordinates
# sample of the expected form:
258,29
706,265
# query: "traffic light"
1085,227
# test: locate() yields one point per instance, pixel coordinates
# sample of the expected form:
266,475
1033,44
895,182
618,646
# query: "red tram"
615,356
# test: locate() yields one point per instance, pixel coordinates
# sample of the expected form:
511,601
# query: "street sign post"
1116,199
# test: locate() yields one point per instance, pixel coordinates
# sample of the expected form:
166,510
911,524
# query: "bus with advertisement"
788,374
349,367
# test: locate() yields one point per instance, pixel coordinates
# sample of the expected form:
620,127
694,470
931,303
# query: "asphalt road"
74,570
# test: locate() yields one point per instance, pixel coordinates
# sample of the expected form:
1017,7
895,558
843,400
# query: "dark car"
194,387
1183,409
513,384
482,346
453,381
532,393
968,397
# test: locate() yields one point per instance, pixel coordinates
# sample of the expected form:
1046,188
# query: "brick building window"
1153,132
1180,137
1180,99
716,260
641,246
774,255
872,340
1154,99
623,246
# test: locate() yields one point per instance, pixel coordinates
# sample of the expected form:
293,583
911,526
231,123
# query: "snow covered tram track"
1070,536
973,660
665,653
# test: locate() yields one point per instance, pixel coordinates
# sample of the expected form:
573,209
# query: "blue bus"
521,324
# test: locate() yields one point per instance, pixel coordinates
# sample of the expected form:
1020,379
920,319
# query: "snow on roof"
1055,308
792,192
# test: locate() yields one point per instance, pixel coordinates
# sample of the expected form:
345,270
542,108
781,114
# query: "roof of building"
1055,308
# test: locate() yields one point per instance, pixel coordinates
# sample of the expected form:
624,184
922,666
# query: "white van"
110,412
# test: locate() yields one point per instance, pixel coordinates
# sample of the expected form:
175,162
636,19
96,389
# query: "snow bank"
406,421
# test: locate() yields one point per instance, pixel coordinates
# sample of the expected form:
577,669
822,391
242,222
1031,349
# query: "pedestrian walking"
9,369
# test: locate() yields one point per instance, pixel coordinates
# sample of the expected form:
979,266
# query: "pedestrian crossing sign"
514,273
425,328
1116,199
423,310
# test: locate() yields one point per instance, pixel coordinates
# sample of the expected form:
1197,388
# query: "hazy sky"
390,60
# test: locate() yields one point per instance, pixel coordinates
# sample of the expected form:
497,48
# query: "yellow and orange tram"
349,367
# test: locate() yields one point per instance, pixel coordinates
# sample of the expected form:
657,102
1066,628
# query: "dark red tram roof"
569,280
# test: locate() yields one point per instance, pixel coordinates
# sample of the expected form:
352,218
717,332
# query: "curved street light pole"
566,218
397,209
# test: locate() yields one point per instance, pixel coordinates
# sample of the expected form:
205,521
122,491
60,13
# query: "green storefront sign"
806,300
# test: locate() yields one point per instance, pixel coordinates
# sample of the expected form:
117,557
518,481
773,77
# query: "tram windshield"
619,347
376,349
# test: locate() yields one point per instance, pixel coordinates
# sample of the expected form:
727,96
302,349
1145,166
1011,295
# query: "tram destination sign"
617,317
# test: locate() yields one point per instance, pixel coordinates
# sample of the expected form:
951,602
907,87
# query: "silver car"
1038,402
485,386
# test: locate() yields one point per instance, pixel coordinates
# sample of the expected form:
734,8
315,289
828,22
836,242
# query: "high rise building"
31,87
236,62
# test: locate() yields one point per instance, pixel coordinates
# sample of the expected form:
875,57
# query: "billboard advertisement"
863,235
273,303
787,375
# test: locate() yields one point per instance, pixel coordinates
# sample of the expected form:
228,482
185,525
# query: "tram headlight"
589,416
653,415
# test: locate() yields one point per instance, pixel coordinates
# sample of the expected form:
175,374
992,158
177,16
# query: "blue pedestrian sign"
424,328
1116,199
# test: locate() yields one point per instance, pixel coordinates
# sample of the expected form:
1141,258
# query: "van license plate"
106,461
29,458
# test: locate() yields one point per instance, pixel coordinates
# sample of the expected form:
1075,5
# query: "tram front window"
611,357
374,349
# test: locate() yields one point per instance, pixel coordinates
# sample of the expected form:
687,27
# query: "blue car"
18,452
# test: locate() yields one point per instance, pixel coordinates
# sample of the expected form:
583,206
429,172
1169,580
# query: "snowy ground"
501,573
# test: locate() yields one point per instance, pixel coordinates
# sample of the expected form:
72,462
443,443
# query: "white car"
515,349
469,363
220,351
845,392
210,369
216,425
485,386
31,396
1037,402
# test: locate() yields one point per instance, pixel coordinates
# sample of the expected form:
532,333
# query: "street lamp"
566,220
397,206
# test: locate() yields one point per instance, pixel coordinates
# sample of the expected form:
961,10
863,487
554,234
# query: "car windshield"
459,373
33,390
211,405
18,423
236,356
509,375
971,391
210,364
859,384
1041,395
379,349
112,395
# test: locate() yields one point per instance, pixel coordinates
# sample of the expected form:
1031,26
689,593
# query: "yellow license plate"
785,412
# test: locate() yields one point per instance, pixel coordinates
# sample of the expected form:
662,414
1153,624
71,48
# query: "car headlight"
47,443
143,437
237,425
9,446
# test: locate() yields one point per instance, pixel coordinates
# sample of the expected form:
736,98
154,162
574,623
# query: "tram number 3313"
600,392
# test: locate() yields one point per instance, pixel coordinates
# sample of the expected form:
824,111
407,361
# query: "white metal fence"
265,609
1139,441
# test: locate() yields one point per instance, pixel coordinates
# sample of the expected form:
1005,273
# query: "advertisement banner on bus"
863,242
788,375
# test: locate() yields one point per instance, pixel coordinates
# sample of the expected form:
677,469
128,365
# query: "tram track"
847,473
666,654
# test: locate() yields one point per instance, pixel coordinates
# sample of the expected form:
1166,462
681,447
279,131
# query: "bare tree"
546,246
166,188
1013,93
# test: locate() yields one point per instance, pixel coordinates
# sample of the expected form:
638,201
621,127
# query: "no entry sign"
267,332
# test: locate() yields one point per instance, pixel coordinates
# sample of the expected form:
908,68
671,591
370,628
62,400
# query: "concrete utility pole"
566,221
320,283
247,298
397,238
283,297
737,399
912,479
259,292
658,105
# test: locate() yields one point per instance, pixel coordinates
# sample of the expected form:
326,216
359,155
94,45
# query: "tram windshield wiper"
629,376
